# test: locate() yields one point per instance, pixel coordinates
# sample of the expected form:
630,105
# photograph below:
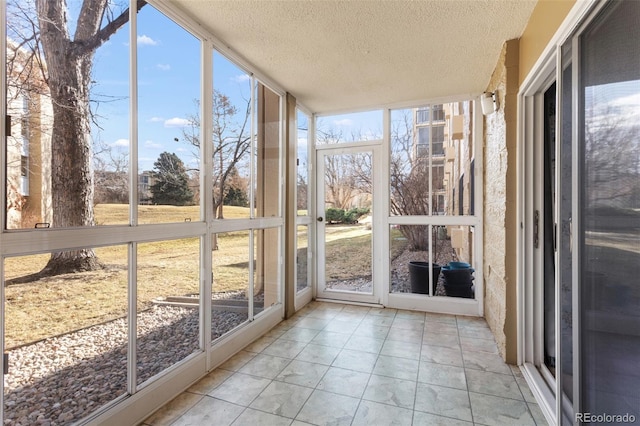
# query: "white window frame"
448,305
305,295
142,401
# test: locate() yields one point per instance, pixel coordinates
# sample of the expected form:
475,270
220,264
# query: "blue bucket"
459,265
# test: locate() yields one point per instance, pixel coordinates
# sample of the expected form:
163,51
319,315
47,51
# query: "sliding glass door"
582,256
608,236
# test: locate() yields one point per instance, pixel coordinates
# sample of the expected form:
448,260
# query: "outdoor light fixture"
488,102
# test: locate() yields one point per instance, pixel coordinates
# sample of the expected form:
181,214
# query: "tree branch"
107,31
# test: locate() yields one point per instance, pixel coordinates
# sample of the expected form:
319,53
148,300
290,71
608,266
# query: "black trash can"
458,282
419,276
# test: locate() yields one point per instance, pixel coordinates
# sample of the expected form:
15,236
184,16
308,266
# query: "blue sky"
168,87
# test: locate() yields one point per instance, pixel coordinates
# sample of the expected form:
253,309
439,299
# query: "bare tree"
409,181
111,175
231,142
302,195
611,164
347,176
63,61
340,181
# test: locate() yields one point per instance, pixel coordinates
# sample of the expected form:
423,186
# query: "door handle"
320,219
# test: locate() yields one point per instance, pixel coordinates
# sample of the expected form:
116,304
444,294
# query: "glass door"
344,222
607,234
582,297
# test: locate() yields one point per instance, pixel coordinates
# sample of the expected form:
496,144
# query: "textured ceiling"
341,55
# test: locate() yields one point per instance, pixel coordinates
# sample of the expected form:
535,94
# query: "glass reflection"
610,213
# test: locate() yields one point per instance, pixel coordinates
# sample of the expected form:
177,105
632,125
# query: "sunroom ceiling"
343,55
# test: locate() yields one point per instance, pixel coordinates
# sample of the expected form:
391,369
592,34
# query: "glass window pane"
355,127
410,259
65,338
302,179
348,235
302,261
432,161
267,269
409,163
168,118
449,247
230,305
453,249
564,238
609,237
168,303
455,188
110,130
59,144
267,155
232,138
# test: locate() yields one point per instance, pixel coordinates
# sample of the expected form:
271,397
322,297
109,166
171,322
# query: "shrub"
354,214
334,215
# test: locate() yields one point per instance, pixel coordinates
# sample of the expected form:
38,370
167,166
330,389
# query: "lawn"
63,303
59,304
348,252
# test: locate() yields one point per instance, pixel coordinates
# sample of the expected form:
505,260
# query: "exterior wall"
26,209
500,193
459,154
39,203
543,23
500,207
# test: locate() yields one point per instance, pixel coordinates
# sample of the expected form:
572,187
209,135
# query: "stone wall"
500,207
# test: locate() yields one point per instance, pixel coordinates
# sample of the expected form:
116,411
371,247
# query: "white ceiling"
346,55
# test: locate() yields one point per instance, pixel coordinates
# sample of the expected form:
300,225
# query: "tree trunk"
69,76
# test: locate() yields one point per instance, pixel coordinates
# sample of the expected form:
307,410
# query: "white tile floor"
336,364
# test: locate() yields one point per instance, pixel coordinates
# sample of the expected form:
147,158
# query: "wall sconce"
488,102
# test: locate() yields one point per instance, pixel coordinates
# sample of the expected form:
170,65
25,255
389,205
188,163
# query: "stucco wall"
500,193
545,19
500,210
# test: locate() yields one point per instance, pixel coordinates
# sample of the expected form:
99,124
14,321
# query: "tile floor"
335,364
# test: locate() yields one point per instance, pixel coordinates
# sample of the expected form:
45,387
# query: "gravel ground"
63,379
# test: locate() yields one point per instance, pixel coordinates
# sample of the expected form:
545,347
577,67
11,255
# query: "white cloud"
241,78
344,122
163,67
176,122
121,142
152,144
144,40
156,119
632,100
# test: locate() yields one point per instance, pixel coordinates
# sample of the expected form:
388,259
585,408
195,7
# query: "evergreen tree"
171,184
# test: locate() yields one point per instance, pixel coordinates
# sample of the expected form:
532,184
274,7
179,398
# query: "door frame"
377,249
